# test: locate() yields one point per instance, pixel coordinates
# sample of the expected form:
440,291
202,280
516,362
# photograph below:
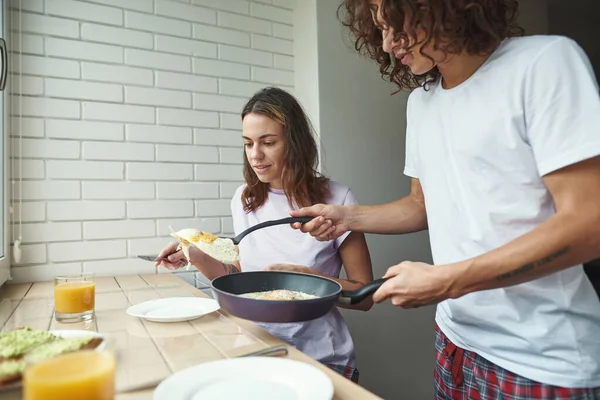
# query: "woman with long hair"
280,173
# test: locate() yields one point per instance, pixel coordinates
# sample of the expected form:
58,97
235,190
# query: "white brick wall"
126,116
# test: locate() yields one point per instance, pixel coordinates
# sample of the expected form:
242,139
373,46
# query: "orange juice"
85,374
74,297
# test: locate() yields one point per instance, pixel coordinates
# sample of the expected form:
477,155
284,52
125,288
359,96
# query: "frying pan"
226,289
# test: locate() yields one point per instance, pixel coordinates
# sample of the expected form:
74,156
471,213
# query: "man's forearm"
405,215
559,243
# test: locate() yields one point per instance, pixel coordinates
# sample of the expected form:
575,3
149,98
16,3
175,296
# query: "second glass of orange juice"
74,297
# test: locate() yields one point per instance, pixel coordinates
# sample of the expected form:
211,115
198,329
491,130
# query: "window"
4,176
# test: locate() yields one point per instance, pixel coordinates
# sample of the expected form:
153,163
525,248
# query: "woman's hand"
290,268
173,259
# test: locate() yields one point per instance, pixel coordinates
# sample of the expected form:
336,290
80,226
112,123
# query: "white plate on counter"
249,378
174,309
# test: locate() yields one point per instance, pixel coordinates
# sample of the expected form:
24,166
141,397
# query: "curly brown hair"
302,183
452,26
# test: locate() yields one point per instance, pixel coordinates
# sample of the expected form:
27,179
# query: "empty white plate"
174,309
248,378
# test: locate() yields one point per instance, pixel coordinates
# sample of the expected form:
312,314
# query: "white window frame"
5,235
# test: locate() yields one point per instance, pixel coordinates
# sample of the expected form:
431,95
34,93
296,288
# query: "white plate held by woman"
174,309
251,378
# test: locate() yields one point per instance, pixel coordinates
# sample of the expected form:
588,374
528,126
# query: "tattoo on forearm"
230,269
528,267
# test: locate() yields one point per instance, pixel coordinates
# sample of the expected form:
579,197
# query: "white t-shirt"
480,151
326,339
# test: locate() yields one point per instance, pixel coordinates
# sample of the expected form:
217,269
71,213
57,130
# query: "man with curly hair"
503,149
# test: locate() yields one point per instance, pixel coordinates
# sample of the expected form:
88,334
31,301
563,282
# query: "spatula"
236,240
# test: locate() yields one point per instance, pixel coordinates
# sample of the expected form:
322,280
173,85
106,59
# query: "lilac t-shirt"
325,339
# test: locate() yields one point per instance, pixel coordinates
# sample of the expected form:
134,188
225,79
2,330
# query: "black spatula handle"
351,297
288,220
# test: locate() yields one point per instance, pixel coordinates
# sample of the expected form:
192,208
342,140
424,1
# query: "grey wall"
362,130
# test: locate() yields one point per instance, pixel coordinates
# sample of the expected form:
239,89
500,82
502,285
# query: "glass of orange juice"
83,374
74,297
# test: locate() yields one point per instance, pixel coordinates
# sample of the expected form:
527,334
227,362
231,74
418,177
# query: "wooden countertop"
150,350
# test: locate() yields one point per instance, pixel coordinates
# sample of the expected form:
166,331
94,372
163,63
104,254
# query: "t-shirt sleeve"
562,107
237,211
348,199
410,163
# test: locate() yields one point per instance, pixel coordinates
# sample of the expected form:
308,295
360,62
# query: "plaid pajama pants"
463,375
346,371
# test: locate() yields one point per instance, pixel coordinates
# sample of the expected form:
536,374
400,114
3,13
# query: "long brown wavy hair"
302,183
474,26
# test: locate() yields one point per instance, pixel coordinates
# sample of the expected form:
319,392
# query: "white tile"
47,190
116,73
46,148
246,56
290,4
230,121
28,85
158,97
84,130
227,223
33,254
205,224
29,44
81,90
118,151
208,172
272,13
31,211
156,24
221,35
147,246
220,68
29,169
27,127
160,208
44,272
238,6
43,107
117,190
213,208
187,190
283,31
50,232
249,24
218,102
84,11
216,137
170,44
284,62
125,266
46,66
45,25
159,171
85,169
29,5
119,36
118,229
188,12
79,251
188,82
275,45
273,76
139,5
169,116
117,112
85,210
169,62
186,153
239,88
231,155
158,134
227,189
83,50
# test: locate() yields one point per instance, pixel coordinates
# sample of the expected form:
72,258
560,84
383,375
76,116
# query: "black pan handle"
351,297
288,220
4,55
